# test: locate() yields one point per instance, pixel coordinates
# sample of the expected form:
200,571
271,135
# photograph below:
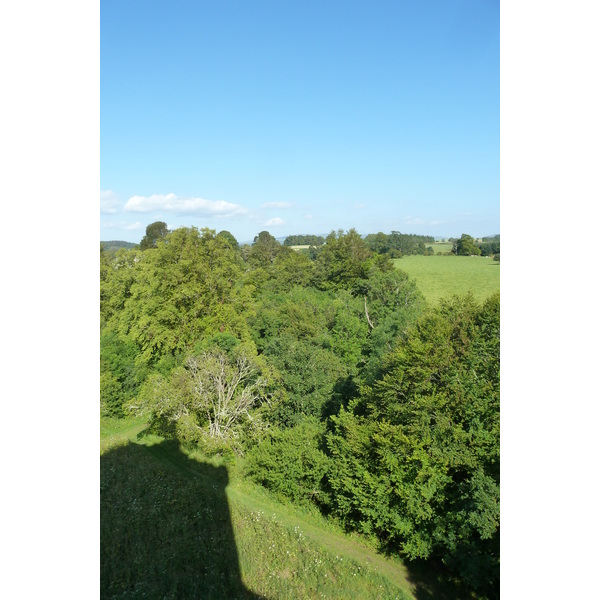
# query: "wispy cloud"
308,217
419,221
123,225
360,205
275,221
277,205
109,202
181,205
136,225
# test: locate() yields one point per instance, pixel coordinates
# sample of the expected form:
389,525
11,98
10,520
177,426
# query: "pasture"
442,276
441,247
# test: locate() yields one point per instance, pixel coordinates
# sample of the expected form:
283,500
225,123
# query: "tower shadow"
165,527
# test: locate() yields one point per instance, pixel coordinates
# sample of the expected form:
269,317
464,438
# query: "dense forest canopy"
327,372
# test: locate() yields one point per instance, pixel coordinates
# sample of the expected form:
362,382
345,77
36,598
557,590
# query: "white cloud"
276,205
361,205
109,202
275,221
179,205
308,217
136,225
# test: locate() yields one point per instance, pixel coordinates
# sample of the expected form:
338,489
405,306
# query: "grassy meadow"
440,276
441,247
177,525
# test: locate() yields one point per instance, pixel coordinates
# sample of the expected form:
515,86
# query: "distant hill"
114,245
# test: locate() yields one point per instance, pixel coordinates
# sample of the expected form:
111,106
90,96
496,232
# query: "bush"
290,464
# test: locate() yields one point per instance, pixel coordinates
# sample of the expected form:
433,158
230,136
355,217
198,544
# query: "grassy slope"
164,510
441,276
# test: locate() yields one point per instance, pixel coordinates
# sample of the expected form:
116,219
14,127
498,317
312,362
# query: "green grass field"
441,247
441,276
177,525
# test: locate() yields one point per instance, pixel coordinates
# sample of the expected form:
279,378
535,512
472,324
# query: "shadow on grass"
432,582
165,527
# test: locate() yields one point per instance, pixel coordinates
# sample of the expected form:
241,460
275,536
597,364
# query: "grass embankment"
442,276
176,526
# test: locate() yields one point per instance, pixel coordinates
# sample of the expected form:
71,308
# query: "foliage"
308,375
117,275
417,460
187,288
466,246
490,246
398,244
290,463
229,238
226,390
120,377
264,250
342,261
288,269
313,339
392,302
154,232
304,240
211,395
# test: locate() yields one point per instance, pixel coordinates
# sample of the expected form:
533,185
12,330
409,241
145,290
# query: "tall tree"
466,246
154,232
343,260
264,250
188,288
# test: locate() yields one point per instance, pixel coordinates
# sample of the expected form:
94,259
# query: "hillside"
195,528
114,245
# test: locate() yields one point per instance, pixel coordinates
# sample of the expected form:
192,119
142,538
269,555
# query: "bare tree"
210,395
224,390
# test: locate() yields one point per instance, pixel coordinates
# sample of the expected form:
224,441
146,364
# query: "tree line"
326,373
304,240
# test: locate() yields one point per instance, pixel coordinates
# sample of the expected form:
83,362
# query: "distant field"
441,247
441,276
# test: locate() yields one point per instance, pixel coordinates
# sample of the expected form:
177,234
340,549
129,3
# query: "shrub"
290,464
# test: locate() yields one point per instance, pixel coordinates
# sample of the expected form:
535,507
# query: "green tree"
291,464
120,376
288,269
229,238
466,246
188,288
154,232
416,459
343,260
118,272
264,250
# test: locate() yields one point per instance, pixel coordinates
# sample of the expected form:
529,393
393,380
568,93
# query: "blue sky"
300,117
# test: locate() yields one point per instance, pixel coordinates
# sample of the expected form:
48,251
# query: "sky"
300,117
